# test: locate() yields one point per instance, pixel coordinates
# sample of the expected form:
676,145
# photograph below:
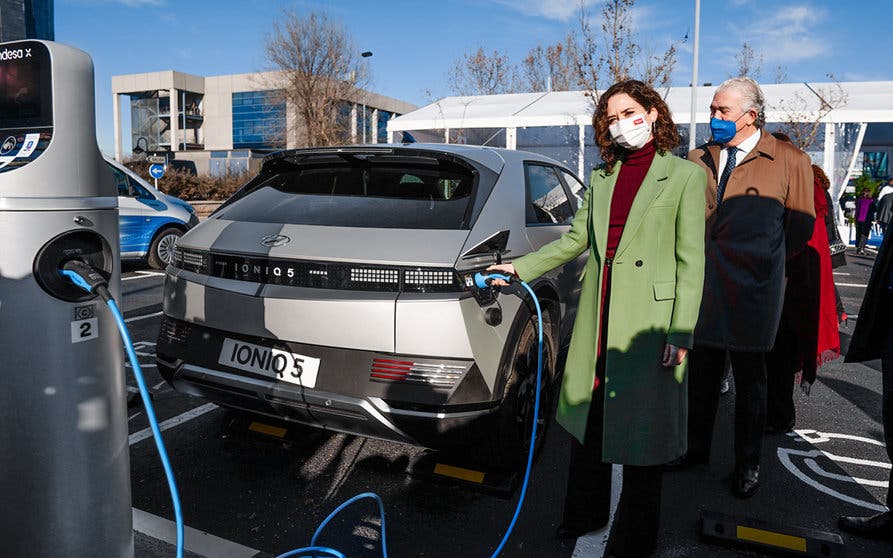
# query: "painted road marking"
809,459
171,422
839,273
195,541
816,468
851,285
143,317
143,275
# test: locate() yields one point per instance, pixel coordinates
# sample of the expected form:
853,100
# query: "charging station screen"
25,88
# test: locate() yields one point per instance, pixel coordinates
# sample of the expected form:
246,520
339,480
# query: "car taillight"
425,373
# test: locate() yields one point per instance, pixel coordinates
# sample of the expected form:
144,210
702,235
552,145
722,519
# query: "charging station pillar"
64,454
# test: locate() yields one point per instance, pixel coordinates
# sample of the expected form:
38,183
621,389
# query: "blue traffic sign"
156,171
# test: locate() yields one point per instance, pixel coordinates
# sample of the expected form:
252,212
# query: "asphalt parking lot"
258,493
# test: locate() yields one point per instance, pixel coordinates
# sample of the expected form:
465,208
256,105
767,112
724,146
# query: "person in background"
865,208
887,189
808,334
873,339
623,394
760,211
884,208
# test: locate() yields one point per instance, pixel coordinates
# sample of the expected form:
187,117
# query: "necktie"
726,173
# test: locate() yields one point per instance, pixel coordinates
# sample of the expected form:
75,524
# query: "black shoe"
746,481
773,429
687,461
878,526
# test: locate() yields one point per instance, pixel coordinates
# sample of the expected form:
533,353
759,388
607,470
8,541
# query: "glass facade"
27,19
382,132
258,120
146,127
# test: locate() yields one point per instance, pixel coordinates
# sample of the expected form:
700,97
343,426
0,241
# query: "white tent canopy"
866,101
557,123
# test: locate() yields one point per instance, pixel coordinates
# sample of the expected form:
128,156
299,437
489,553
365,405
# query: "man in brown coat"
760,210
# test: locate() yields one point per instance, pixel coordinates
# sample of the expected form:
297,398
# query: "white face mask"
632,132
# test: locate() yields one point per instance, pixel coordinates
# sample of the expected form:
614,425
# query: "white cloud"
788,34
560,10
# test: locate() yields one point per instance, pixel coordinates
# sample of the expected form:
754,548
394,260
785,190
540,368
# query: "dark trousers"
705,368
587,505
887,396
863,231
782,364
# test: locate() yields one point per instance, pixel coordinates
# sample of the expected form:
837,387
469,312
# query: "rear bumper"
345,398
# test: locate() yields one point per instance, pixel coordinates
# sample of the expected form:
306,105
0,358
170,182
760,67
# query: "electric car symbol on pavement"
336,289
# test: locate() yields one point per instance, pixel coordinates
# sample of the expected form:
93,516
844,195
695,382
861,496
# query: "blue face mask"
723,130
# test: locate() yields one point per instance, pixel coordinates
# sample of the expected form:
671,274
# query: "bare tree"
781,74
802,122
615,55
621,51
750,62
657,70
552,68
319,74
481,73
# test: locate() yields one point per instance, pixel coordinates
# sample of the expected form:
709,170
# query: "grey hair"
751,97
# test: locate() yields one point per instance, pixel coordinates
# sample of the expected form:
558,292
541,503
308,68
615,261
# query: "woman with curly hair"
624,390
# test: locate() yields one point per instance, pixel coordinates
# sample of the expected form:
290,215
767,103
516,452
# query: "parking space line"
171,422
198,542
143,275
143,317
851,285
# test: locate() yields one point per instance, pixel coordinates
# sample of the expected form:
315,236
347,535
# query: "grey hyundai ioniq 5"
335,290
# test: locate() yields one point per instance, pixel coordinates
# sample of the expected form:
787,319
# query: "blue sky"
414,43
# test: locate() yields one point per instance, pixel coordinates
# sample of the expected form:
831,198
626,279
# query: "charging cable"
87,278
481,281
92,281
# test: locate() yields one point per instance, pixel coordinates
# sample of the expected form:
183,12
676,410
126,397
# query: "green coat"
657,279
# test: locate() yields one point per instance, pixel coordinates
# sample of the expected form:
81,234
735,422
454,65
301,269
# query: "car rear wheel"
162,250
510,443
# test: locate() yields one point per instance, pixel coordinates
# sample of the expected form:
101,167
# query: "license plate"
275,363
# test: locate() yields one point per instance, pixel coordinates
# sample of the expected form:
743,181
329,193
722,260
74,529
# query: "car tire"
162,249
509,444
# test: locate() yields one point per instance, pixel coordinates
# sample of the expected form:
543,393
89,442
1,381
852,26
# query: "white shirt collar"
744,148
747,145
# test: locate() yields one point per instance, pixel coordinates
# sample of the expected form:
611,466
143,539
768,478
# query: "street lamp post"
365,54
693,126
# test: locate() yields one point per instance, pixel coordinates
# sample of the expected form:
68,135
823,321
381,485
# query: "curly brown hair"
666,137
821,177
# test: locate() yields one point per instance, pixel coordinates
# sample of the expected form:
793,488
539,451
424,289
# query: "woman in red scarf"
808,335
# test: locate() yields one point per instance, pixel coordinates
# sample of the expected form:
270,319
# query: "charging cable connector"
87,278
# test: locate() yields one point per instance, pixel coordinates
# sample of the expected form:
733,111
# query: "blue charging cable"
91,281
481,281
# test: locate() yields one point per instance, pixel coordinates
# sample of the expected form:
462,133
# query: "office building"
227,123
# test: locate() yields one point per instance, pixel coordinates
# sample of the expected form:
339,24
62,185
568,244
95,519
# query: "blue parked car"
150,221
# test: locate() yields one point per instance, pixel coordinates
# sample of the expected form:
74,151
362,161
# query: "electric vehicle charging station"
65,461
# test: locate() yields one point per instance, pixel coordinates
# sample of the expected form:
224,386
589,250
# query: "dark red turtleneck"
632,173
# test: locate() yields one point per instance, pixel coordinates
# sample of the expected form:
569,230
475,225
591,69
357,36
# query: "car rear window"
377,191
